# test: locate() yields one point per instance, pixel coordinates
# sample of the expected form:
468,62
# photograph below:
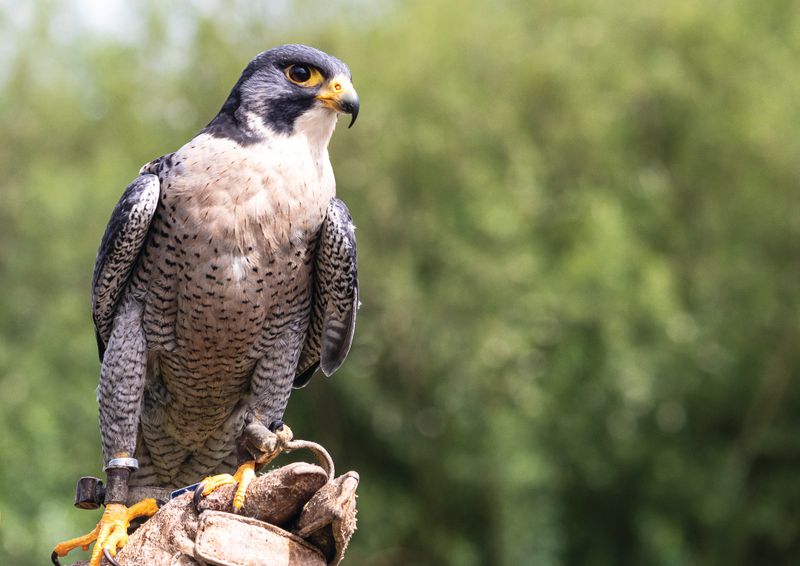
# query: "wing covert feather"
333,314
119,251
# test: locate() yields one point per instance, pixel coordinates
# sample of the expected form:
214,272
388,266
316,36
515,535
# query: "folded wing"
335,300
119,252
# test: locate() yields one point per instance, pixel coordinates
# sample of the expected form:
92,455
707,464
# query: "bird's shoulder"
206,154
158,166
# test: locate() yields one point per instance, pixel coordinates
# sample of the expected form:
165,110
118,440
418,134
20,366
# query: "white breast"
275,192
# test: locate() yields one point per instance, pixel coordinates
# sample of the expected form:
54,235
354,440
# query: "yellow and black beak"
339,94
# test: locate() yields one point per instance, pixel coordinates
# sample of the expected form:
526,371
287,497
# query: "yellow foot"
111,533
243,476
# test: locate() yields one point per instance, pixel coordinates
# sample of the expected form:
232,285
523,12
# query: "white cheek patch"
317,125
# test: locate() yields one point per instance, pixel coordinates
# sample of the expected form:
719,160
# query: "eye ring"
299,73
304,75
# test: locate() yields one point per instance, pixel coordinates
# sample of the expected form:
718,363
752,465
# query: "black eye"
299,73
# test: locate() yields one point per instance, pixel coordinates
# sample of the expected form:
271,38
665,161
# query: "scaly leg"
262,444
243,476
111,533
271,382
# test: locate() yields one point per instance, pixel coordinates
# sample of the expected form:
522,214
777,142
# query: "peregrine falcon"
226,276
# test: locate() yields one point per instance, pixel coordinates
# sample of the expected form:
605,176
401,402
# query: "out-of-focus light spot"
429,422
14,390
387,422
670,416
621,424
179,112
682,329
713,358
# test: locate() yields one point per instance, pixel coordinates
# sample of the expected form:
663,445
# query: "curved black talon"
110,558
54,558
198,495
276,425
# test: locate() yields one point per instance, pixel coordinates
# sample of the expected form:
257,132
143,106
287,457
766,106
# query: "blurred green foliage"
579,239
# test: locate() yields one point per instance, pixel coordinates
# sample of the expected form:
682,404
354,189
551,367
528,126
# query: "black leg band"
117,488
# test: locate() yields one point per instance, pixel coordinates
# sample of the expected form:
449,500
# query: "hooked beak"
340,95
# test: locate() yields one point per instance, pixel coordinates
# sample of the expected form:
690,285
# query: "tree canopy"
579,253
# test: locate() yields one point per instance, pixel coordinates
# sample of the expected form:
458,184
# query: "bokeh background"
579,245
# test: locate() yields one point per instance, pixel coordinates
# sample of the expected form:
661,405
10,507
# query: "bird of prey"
226,275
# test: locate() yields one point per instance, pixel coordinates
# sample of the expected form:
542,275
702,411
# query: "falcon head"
284,89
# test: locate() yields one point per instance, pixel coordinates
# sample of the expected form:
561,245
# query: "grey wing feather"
119,251
333,314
